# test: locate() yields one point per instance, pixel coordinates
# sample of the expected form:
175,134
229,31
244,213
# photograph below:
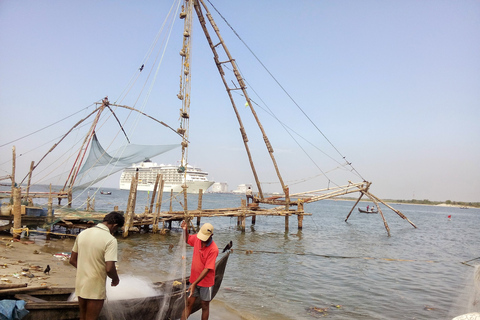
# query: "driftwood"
7,292
12,285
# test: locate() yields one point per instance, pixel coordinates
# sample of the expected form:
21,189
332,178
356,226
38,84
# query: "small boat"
367,211
105,192
52,303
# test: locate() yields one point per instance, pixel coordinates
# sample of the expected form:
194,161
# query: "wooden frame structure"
282,203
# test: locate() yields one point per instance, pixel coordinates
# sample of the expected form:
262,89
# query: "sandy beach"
24,261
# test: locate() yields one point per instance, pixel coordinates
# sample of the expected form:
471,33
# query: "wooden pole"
361,195
287,198
241,217
14,160
17,212
29,181
379,211
154,191
395,210
171,200
130,205
50,204
199,207
158,206
300,214
70,197
49,213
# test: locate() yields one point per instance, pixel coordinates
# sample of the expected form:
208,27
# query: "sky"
394,86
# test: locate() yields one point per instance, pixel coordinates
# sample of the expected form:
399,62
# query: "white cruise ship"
172,174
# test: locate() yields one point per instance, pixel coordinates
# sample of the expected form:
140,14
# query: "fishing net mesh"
100,164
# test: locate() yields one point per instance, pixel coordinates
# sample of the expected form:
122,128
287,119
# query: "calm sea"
329,269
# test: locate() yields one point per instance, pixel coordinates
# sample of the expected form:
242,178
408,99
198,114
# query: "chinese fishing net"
99,164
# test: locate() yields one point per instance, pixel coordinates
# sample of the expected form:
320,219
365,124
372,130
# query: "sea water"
331,268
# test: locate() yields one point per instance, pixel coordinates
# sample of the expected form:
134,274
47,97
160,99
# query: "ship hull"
174,177
193,187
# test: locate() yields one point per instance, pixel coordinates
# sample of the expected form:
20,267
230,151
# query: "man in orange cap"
202,274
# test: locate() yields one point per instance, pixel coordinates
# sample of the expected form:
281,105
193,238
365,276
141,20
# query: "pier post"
158,206
49,213
199,208
300,214
242,216
70,198
17,212
157,180
132,197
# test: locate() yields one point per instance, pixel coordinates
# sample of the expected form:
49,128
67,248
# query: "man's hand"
191,289
115,282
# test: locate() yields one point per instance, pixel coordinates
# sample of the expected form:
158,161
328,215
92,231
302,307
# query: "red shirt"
203,258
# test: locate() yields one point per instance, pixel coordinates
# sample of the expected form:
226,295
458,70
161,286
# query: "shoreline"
34,256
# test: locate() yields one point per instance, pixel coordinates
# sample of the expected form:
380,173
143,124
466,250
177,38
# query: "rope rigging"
285,91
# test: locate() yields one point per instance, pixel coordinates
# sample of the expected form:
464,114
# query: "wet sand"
18,256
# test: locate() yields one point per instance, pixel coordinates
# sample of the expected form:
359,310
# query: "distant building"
242,188
219,187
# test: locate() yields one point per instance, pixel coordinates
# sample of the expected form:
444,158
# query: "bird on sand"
47,270
228,246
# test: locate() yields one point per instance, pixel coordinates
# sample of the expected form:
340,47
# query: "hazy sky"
393,85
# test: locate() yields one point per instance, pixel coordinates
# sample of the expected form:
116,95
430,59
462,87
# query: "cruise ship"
173,175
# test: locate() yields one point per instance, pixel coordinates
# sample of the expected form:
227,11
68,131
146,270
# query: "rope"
18,231
285,91
338,257
50,125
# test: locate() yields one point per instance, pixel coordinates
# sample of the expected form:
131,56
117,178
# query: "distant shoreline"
461,205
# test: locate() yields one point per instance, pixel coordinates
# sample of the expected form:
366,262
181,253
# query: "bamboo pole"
50,204
153,193
130,205
300,214
394,210
239,79
361,195
350,185
29,181
199,207
14,161
17,212
49,213
379,211
70,197
158,206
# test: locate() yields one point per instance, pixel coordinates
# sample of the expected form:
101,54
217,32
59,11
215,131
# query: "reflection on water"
330,268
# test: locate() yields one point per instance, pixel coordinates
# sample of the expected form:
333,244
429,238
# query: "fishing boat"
52,303
174,176
367,211
106,192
